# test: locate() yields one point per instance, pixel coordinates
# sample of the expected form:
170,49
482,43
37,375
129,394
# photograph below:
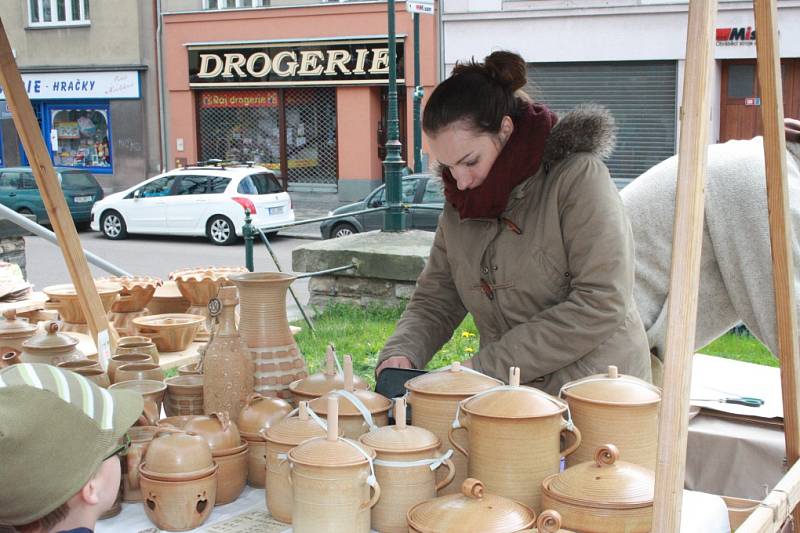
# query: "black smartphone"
391,382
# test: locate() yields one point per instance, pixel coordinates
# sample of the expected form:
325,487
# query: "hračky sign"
314,63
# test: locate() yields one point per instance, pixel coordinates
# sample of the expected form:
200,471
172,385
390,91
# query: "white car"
196,200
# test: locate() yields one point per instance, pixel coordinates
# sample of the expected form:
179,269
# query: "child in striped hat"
60,437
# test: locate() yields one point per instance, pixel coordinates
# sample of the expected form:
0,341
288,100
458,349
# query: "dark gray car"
417,189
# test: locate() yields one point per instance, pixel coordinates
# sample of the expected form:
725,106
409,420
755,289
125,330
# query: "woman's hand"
397,361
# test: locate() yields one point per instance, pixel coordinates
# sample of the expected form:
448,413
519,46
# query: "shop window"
233,4
58,12
83,137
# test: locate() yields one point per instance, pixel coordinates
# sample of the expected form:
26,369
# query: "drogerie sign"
354,61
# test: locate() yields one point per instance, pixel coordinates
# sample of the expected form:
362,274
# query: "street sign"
424,7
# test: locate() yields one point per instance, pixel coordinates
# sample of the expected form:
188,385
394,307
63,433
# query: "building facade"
298,87
92,81
629,56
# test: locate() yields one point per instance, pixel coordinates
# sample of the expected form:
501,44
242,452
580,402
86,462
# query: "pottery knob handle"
224,419
472,488
302,411
330,364
513,376
253,398
400,413
333,418
613,372
606,455
51,326
348,373
549,521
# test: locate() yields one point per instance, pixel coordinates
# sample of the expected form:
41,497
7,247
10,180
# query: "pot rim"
183,476
576,397
587,504
252,437
519,417
241,448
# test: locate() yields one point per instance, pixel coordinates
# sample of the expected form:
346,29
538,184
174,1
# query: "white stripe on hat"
61,383
28,375
2,383
88,397
108,409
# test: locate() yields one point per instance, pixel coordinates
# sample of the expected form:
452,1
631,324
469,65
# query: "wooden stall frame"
53,197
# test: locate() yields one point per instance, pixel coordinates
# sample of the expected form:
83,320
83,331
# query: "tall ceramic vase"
227,367
264,328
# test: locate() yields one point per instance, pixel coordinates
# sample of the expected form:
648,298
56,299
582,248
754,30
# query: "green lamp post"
394,218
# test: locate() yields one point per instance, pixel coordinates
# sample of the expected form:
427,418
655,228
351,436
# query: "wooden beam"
773,511
52,195
685,271
769,79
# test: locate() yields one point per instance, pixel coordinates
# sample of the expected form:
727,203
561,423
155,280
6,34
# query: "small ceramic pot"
79,363
140,436
176,455
184,395
170,333
137,344
50,347
14,331
95,375
119,360
259,414
139,371
232,473
149,389
179,505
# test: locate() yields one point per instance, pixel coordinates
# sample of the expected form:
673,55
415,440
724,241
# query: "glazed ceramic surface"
149,389
199,285
217,429
137,344
232,475
136,293
95,375
170,333
174,454
179,505
141,437
79,363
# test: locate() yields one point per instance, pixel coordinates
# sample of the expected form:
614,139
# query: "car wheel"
26,211
343,229
113,226
220,230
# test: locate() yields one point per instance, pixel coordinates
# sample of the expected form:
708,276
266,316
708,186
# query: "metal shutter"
640,95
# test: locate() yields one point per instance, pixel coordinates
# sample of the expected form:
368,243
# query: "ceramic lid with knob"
173,452
483,512
320,383
331,451
10,325
607,482
612,388
549,521
400,437
51,338
293,430
455,381
513,401
260,412
374,402
217,429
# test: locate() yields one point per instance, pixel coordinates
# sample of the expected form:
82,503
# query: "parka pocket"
558,278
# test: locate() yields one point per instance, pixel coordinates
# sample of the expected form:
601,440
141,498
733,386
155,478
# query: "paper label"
103,348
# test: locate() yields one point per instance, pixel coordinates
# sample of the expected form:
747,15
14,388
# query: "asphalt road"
158,256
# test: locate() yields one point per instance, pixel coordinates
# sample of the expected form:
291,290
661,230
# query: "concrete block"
404,290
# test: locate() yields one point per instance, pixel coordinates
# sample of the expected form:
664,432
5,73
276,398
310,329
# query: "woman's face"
468,154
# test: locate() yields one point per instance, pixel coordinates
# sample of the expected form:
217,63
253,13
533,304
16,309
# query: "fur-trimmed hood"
587,128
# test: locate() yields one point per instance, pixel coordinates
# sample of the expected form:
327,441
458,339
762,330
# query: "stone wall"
12,250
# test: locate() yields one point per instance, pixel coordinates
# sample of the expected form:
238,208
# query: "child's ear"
89,493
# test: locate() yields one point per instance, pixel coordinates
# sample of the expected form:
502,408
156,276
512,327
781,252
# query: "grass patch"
741,347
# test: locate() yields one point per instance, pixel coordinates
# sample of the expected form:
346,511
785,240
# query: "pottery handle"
451,473
253,398
456,445
133,458
376,495
224,419
289,475
576,434
606,455
549,521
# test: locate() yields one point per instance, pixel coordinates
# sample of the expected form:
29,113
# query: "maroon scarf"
519,159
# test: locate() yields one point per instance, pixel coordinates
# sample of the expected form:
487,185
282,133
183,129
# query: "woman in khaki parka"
533,239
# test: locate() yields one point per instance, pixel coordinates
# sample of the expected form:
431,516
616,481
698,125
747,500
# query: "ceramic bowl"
171,332
125,359
79,363
149,389
95,375
139,371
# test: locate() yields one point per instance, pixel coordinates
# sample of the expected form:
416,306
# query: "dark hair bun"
507,69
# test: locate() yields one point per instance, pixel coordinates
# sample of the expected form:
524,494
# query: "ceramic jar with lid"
178,480
318,384
616,408
514,436
474,509
359,410
51,347
434,397
606,495
280,438
259,414
407,458
14,331
331,478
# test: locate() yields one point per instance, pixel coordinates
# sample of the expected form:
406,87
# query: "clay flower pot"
64,299
95,375
137,344
259,414
125,359
184,395
199,285
138,371
50,347
170,333
316,385
167,299
149,389
14,331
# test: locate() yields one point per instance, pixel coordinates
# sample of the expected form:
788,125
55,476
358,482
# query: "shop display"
320,383
167,299
125,359
137,344
407,458
15,330
171,332
198,286
258,415
50,346
606,495
149,389
136,293
83,137
227,367
331,479
434,398
184,395
264,328
64,299
615,408
359,411
473,510
497,421
141,437
130,371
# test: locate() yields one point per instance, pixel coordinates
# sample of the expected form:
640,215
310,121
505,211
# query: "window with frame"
58,12
233,4
192,185
158,187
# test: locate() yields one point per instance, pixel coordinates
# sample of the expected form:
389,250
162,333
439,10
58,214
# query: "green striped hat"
56,428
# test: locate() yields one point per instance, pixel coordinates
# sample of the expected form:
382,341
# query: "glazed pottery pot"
137,344
199,285
434,398
280,438
64,299
79,363
474,505
189,369
227,368
9,358
405,466
217,429
140,436
149,389
176,455
330,478
95,375
170,333
259,414
139,371
184,395
167,299
603,496
125,359
14,331
318,384
615,408
265,330
50,347
177,421
514,436
179,505
357,408
232,473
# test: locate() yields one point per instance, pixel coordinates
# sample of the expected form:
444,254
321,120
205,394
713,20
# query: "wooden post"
769,79
52,195
685,272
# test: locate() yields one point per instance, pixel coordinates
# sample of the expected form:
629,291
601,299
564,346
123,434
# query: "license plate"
276,210
83,199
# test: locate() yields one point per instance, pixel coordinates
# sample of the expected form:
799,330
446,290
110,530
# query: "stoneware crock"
514,436
184,395
616,408
140,440
147,370
434,397
318,384
606,495
50,347
14,330
259,414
